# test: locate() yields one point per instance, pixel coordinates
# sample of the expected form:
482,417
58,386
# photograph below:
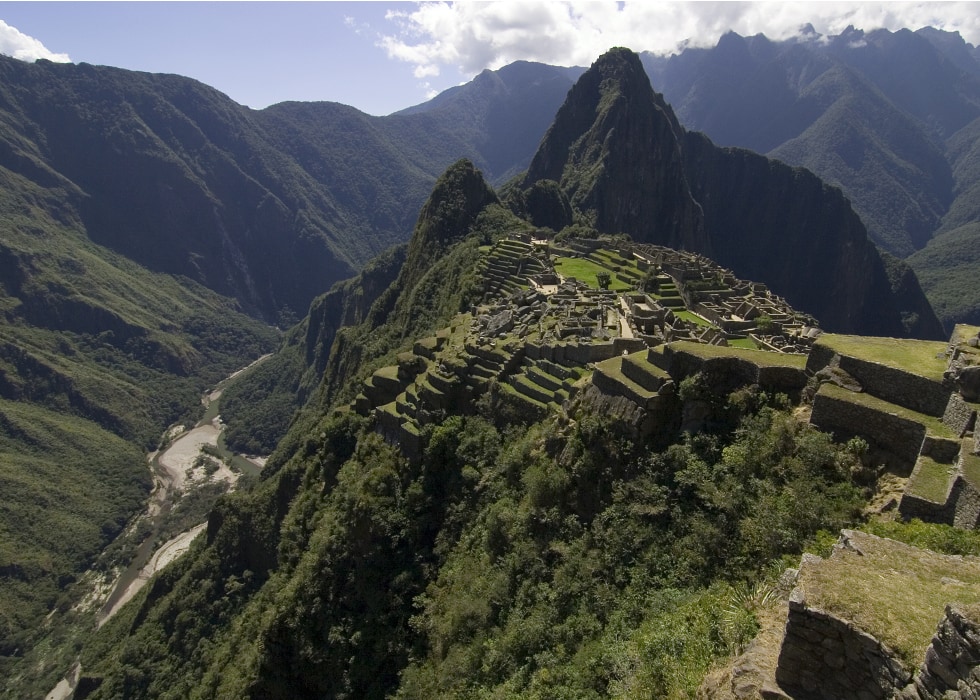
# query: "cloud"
16,44
470,36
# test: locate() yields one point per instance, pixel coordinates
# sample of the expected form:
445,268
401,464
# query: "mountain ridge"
625,162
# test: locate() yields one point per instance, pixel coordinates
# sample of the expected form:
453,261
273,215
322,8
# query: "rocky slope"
620,155
887,116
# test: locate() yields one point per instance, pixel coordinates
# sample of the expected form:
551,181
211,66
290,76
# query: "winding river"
174,472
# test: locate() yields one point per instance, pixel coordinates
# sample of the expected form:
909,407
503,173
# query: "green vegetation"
690,317
947,269
925,358
587,272
885,577
98,355
580,567
931,480
944,539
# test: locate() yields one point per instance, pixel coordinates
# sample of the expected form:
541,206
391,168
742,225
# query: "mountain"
429,529
881,114
152,228
624,161
270,207
502,114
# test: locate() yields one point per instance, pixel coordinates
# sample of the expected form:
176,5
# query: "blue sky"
384,56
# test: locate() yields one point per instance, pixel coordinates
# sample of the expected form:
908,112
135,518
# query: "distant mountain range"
889,117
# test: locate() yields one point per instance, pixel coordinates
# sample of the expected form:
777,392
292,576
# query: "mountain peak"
614,149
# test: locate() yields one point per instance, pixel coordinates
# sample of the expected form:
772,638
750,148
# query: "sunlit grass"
922,357
585,271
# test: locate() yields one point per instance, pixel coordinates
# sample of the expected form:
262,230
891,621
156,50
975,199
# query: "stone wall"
940,449
912,506
899,437
952,665
824,657
575,353
959,415
961,508
789,380
966,504
893,385
722,373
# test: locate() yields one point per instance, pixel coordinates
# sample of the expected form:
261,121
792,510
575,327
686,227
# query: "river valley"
189,471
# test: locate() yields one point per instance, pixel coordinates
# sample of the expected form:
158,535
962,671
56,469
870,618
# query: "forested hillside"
532,558
498,547
151,230
153,236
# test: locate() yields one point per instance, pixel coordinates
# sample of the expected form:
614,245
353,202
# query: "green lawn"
693,318
585,271
931,480
922,357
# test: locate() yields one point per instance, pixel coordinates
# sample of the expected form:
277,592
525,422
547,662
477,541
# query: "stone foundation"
826,658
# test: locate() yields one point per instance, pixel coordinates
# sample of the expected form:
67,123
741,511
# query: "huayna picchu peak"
624,161
650,418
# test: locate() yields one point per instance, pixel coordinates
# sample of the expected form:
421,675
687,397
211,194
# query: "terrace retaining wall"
893,385
952,664
898,436
824,656
959,416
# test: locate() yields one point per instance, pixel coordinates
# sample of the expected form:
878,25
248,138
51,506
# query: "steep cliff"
787,228
614,149
627,166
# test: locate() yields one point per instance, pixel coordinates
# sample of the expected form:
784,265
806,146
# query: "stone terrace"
901,397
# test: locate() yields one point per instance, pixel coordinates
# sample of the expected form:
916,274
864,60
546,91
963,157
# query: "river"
176,470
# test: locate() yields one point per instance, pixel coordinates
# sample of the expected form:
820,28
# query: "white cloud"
470,36
16,44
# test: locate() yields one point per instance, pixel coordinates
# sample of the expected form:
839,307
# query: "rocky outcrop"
614,148
620,154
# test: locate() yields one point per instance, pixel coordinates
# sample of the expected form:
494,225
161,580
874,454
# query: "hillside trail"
175,471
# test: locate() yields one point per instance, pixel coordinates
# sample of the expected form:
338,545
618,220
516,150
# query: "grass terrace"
933,425
585,271
692,317
931,480
925,358
762,358
893,591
